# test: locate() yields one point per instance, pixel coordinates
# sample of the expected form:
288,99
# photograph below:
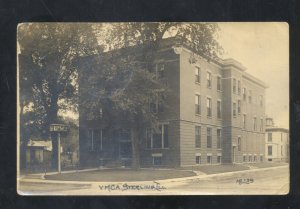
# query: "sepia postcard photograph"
153,108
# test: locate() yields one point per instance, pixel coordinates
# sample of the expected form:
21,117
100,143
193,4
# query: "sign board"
58,128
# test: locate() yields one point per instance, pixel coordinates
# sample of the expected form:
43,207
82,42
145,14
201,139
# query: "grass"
121,175
266,164
213,169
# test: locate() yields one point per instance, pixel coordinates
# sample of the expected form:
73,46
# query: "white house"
277,143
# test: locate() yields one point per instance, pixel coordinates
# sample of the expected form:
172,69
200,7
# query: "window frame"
209,107
208,79
197,76
163,141
209,137
197,104
197,136
219,109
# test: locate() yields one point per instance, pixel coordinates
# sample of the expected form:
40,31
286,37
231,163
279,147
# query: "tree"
123,84
48,79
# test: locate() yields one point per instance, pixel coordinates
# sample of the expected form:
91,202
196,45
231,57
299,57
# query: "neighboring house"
277,143
39,152
215,114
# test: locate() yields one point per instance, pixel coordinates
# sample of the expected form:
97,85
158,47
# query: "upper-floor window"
261,124
156,103
244,94
94,137
250,96
219,113
261,100
239,87
209,79
218,138
208,106
234,109
269,137
254,124
239,106
234,85
209,140
158,138
197,136
197,75
219,83
197,104
239,143
160,70
244,121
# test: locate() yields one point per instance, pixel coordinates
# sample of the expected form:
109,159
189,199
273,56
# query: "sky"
263,48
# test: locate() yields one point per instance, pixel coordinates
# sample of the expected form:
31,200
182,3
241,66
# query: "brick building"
215,115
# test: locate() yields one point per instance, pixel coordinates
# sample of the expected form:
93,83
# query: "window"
219,159
157,138
244,121
244,94
261,100
197,104
250,96
218,138
197,136
234,109
261,158
209,79
197,75
208,105
261,124
269,137
157,160
250,158
209,142
244,158
198,159
254,159
281,150
94,139
254,123
239,106
157,103
160,68
219,83
239,143
239,87
219,115
209,161
234,85
269,150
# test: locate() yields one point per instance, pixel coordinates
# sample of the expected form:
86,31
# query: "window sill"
209,87
220,91
209,117
198,83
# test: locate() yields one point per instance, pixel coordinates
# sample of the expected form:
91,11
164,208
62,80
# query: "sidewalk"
164,181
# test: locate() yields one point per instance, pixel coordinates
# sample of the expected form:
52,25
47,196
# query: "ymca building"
215,115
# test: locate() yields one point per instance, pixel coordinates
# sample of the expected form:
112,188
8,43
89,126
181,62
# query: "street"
253,182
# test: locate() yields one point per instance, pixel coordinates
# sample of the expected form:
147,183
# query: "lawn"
121,175
213,169
266,164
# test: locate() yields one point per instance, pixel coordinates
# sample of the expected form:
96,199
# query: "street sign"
58,128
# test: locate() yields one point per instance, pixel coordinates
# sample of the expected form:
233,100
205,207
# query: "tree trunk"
135,148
